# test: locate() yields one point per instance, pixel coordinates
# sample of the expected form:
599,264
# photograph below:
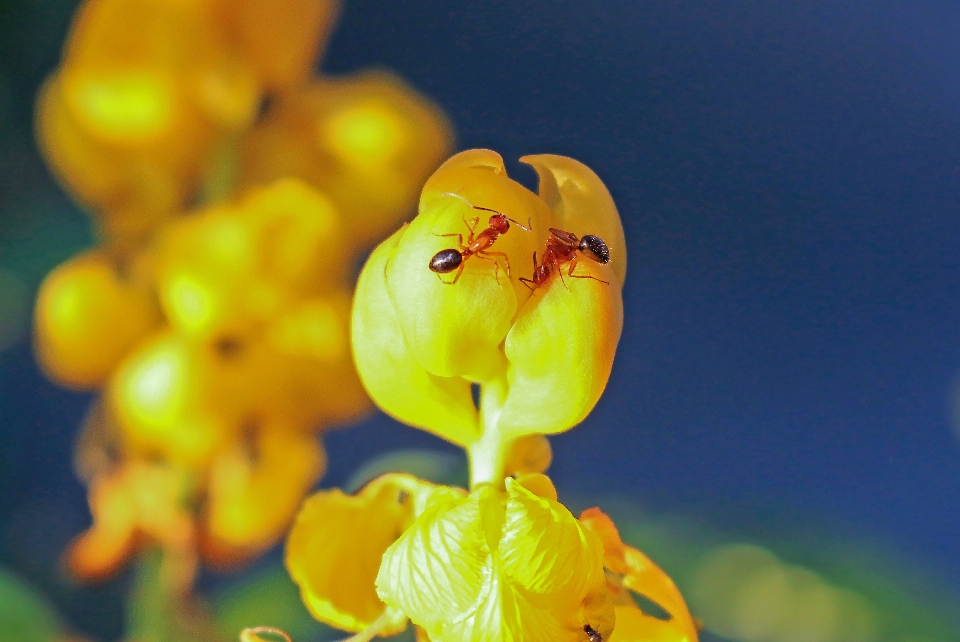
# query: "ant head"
500,223
593,247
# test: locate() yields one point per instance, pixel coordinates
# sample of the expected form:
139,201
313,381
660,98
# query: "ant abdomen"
594,247
446,261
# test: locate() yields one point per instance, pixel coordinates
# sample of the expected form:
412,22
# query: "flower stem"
488,455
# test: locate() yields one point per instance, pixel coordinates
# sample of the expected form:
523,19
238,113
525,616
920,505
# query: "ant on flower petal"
565,247
592,633
446,261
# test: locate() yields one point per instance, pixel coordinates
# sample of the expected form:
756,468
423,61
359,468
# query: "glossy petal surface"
497,566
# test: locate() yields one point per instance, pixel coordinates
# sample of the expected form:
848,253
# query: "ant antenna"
457,196
525,228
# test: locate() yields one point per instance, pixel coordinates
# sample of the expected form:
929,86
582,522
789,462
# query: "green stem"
488,455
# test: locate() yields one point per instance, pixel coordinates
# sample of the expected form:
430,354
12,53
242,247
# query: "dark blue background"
789,179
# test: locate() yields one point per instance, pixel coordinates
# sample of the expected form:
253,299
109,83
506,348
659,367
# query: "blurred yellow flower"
368,141
149,90
133,504
255,488
88,316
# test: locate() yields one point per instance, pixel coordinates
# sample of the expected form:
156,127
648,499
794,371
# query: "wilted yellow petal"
498,566
634,571
133,504
388,369
561,351
635,626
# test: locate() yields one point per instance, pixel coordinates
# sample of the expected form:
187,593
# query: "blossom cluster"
503,560
233,189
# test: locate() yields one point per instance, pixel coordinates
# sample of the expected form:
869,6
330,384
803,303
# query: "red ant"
446,261
592,633
563,247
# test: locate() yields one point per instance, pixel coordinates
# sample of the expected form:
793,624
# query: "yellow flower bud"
172,399
231,268
334,549
498,566
147,91
254,490
135,191
281,39
529,454
542,355
367,141
302,370
88,317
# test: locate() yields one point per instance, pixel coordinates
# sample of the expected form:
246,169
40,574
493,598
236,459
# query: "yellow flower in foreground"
335,546
542,358
630,571
499,566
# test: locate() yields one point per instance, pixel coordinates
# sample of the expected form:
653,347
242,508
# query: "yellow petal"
498,566
635,626
455,329
581,201
334,549
388,369
639,574
561,351
649,580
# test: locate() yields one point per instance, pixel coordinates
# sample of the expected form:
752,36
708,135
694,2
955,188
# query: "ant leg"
570,273
456,277
588,276
472,225
506,259
496,269
459,239
560,272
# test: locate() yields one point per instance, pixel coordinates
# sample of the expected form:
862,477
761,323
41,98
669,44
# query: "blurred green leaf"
910,603
269,598
24,615
431,465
